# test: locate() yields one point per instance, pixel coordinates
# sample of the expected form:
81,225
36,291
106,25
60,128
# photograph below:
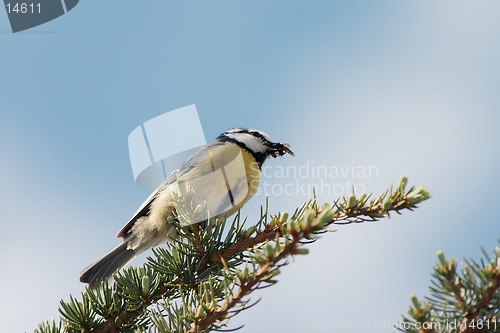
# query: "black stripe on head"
255,142
260,157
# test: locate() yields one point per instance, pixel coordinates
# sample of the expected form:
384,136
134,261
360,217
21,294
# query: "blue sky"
408,87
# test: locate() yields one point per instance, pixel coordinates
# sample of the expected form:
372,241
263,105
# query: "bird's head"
257,143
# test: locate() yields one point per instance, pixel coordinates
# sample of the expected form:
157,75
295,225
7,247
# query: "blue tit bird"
223,175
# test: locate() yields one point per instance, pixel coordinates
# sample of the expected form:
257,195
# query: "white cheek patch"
253,143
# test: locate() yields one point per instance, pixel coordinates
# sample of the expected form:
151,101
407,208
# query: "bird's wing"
183,169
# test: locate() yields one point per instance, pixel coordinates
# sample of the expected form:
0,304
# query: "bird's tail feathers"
107,265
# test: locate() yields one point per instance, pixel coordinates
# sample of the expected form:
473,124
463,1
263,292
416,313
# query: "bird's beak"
280,149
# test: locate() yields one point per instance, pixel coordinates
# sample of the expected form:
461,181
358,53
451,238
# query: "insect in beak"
280,149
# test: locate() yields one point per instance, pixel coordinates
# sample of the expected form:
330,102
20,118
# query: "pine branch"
244,288
461,303
264,273
492,275
200,280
